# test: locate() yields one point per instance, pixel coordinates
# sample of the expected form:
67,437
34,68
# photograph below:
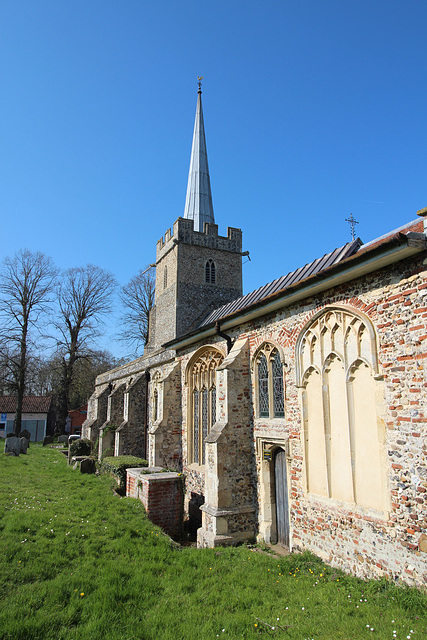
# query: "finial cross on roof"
352,221
199,82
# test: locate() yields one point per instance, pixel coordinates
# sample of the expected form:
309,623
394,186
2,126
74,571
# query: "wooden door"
282,508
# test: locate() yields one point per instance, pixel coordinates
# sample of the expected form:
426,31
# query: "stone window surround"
203,378
267,348
210,272
157,398
369,359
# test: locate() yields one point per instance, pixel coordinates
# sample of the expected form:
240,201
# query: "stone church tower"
197,270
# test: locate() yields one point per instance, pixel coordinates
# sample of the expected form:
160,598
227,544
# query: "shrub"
117,467
80,447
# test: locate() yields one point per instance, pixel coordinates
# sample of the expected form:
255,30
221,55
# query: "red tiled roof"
31,404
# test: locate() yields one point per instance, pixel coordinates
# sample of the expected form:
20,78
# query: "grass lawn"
78,562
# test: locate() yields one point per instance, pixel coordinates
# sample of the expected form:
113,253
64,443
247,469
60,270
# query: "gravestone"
62,438
87,465
24,444
47,440
12,445
25,434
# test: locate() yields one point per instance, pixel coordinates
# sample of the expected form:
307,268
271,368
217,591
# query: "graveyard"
79,561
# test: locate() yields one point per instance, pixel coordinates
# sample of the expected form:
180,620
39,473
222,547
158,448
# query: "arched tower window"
337,359
165,278
202,396
269,381
210,272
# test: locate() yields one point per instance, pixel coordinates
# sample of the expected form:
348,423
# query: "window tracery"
269,382
337,358
202,394
210,272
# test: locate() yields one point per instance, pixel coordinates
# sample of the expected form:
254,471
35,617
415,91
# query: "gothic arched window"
210,272
202,396
269,382
338,366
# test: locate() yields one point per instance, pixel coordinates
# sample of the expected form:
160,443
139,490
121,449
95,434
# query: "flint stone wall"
165,428
353,538
130,435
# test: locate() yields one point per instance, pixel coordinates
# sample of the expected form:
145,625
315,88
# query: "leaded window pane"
196,425
213,275
213,406
278,395
263,386
205,421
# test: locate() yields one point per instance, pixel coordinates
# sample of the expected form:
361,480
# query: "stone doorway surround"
265,449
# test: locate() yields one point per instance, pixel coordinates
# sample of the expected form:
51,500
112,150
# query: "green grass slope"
78,562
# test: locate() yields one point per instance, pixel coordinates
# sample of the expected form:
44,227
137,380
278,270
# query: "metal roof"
198,203
280,284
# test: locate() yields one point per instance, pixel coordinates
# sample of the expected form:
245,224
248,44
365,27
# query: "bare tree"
137,297
26,282
85,295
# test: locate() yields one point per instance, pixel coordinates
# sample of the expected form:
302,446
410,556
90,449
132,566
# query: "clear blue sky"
313,110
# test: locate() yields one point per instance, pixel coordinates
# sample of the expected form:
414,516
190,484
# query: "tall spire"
198,203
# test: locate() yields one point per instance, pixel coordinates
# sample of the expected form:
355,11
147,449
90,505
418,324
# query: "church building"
296,412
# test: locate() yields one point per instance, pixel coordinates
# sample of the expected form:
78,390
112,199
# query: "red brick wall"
162,496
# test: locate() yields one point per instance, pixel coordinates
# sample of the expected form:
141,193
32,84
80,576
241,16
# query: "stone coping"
224,511
155,474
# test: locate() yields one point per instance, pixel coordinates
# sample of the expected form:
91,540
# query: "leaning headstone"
62,438
47,440
87,465
12,445
25,434
24,444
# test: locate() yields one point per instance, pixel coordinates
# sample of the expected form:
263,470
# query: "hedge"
117,466
80,447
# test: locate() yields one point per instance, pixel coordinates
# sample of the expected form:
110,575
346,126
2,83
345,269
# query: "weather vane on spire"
199,82
352,221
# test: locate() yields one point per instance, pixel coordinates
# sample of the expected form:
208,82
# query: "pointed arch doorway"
281,497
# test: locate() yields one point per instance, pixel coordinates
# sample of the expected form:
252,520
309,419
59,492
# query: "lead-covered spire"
198,203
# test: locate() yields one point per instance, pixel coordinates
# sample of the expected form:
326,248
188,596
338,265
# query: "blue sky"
313,110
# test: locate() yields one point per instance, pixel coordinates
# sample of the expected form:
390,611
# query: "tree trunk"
64,393
17,427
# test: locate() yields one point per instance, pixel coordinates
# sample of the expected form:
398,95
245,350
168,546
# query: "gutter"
399,247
